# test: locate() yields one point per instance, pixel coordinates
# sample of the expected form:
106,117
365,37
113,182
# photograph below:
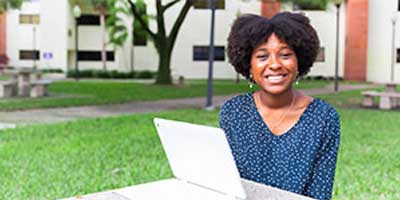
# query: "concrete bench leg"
368,101
37,91
386,103
8,90
45,90
23,90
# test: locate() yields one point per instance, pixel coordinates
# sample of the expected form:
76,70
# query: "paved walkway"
10,119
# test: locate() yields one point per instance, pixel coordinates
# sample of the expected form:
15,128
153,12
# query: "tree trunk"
103,39
164,71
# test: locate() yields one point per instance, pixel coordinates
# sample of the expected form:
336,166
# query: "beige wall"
380,41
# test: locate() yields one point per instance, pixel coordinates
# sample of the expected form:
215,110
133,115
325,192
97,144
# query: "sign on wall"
48,55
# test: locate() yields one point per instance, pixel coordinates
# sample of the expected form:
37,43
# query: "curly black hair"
250,31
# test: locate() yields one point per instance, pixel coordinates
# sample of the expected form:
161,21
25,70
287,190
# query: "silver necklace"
283,116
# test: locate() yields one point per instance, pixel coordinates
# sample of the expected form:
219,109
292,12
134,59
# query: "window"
309,5
94,55
29,19
200,53
398,5
139,34
321,55
203,4
29,55
91,20
398,56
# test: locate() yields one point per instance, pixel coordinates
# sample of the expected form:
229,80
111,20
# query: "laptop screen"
200,155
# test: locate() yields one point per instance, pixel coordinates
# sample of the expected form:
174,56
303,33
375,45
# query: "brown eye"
262,57
286,55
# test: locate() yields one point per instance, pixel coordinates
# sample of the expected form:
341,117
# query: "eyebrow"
265,49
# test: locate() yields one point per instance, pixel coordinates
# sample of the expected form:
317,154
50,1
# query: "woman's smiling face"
274,66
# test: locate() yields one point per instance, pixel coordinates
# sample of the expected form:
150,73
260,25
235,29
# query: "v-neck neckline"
288,131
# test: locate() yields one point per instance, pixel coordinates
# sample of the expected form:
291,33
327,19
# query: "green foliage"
7,4
311,4
53,70
146,74
117,31
139,33
4,59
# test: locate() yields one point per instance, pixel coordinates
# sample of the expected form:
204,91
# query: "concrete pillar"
3,36
356,40
269,8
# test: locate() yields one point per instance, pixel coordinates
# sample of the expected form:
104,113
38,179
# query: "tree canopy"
7,4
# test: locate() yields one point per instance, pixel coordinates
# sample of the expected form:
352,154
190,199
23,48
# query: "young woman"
279,136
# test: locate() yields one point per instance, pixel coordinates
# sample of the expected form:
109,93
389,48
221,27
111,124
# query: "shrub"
145,74
4,59
51,71
107,74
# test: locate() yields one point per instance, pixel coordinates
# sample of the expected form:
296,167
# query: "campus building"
43,34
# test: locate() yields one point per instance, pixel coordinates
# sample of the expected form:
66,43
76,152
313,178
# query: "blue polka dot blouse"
302,160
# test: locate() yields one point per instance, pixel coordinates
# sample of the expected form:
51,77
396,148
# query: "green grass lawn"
71,93
86,156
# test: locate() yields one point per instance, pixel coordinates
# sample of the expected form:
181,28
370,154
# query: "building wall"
56,34
21,36
380,41
53,33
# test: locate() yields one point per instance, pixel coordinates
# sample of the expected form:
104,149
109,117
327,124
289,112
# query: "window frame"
88,20
29,54
84,56
201,53
203,4
29,19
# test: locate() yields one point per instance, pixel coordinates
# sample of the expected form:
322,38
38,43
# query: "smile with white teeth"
275,78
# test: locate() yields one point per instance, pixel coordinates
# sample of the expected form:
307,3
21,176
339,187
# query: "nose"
274,63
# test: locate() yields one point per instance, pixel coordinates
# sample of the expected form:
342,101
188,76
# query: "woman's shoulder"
323,107
328,115
240,101
235,110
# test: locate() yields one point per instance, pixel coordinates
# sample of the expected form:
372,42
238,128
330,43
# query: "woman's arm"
321,182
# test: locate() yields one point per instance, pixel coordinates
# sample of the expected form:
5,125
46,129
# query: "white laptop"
202,164
201,161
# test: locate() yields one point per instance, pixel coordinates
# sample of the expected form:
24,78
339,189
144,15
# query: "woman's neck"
272,101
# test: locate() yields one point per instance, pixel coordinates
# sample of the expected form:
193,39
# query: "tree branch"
141,20
168,5
160,18
178,23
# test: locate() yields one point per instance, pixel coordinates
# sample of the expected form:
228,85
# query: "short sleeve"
322,177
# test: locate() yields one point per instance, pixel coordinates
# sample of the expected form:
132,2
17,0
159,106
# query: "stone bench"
8,88
387,100
39,88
